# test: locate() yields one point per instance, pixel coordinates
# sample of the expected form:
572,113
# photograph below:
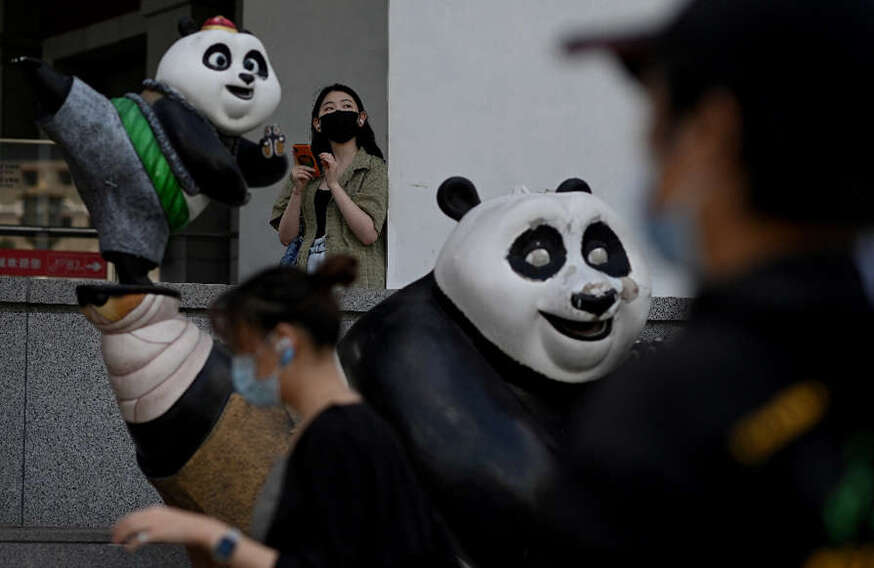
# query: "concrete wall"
313,43
480,89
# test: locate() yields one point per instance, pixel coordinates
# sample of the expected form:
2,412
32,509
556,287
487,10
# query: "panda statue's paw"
273,142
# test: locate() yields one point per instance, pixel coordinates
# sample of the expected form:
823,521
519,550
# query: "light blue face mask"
674,232
260,391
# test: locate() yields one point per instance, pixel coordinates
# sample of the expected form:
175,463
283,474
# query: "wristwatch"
224,548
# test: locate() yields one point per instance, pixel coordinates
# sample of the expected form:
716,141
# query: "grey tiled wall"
12,384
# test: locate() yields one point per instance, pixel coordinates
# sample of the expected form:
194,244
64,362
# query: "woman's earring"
286,356
286,352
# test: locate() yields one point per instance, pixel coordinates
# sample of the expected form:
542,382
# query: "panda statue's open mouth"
244,93
580,330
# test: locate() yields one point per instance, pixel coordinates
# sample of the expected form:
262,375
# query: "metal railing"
87,232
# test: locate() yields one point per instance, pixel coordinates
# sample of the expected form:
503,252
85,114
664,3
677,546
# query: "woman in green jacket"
343,211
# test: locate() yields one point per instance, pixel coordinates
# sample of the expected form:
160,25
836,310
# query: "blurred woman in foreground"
350,496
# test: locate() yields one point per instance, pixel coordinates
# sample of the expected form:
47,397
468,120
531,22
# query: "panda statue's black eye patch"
537,253
255,63
602,250
217,57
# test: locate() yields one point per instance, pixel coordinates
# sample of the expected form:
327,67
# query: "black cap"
800,70
748,32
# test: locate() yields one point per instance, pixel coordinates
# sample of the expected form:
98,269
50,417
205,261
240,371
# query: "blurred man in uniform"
749,440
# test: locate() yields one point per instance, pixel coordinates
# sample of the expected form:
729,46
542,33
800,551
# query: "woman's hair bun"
336,270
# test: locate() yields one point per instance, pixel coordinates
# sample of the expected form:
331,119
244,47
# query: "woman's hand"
300,176
331,168
165,524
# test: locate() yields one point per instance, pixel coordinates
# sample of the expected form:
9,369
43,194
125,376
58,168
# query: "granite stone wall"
67,465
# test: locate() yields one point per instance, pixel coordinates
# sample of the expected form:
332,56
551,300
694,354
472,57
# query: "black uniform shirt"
749,440
351,499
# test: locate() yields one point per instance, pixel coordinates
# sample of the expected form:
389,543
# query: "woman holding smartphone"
343,210
349,497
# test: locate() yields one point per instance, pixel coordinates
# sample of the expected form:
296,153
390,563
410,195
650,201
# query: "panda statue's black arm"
213,167
258,170
51,86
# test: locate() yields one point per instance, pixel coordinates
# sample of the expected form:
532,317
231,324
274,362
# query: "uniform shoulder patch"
792,412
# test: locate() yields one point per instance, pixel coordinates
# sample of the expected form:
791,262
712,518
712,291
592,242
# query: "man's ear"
718,123
703,150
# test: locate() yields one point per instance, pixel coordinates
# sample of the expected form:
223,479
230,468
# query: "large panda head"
223,73
552,279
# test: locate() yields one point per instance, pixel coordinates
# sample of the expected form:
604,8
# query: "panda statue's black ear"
456,196
186,26
573,184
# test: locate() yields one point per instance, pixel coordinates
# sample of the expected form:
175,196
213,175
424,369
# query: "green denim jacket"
366,183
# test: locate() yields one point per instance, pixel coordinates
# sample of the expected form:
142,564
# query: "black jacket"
747,441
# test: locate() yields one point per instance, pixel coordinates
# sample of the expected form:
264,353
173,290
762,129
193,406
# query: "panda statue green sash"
155,163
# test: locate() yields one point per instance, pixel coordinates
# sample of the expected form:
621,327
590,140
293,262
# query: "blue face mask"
260,391
674,232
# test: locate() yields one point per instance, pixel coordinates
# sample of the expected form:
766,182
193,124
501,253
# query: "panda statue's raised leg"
130,219
200,445
51,87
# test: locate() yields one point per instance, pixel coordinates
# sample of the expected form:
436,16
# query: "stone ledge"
49,534
43,546
62,292
13,290
43,554
360,300
669,308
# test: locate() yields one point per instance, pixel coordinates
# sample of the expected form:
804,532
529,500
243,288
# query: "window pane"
40,210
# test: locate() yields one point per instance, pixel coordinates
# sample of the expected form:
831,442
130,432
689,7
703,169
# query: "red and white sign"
61,264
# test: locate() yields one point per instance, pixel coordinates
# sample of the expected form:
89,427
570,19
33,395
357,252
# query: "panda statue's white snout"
554,280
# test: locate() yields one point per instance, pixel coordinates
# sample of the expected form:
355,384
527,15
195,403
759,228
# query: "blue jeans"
290,256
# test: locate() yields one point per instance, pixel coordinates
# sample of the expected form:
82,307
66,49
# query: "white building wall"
311,44
479,88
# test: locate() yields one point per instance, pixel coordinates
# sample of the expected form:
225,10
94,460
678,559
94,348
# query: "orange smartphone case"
303,156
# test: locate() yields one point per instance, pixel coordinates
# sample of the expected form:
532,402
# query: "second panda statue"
481,364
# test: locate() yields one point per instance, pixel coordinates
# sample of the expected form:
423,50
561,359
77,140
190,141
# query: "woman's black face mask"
340,126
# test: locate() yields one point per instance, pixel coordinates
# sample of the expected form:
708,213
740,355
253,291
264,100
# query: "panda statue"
481,363
145,165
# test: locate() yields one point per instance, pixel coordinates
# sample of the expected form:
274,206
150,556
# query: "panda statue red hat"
481,364
219,23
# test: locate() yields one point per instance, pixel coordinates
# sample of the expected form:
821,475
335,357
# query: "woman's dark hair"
286,295
365,138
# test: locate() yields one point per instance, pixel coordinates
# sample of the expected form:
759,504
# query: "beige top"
366,183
